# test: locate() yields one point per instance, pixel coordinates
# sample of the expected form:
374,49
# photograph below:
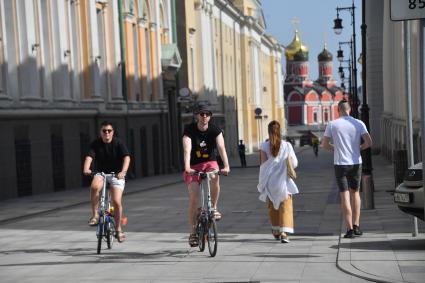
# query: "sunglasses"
205,114
107,131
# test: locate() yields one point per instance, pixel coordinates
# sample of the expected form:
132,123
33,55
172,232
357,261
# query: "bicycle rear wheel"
110,232
212,238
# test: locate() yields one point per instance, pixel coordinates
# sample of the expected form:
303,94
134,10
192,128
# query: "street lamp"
340,55
350,82
367,177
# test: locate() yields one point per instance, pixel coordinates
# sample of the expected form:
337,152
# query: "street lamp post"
338,29
342,76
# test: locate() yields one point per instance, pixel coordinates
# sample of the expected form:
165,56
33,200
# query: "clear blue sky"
316,25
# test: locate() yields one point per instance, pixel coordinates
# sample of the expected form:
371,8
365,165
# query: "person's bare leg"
355,196
215,190
346,209
96,187
193,189
118,208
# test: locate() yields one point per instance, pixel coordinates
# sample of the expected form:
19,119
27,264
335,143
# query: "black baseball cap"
203,108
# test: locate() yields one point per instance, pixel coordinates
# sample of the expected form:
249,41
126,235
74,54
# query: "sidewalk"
386,252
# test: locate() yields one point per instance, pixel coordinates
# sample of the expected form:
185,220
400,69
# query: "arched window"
326,115
163,16
315,117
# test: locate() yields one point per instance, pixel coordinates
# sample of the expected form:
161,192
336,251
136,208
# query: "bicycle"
106,225
206,226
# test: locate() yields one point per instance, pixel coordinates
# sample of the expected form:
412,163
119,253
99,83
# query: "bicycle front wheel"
100,229
110,232
212,238
201,236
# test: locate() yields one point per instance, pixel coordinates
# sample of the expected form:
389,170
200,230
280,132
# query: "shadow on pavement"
396,245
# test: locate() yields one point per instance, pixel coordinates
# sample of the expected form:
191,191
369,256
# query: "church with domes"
309,104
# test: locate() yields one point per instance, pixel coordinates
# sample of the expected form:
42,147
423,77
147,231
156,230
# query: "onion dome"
301,56
295,46
325,55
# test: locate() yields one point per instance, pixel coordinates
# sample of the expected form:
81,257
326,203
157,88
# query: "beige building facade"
386,81
65,66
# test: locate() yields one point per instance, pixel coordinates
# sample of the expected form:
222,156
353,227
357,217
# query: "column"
61,82
28,49
3,54
94,52
117,93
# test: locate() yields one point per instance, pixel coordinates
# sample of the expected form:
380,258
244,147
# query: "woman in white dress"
275,186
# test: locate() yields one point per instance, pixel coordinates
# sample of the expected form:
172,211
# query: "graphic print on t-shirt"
202,151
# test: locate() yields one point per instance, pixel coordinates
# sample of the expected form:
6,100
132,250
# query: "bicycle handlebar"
213,172
93,173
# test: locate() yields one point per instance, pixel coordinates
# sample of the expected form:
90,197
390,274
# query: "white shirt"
346,133
274,182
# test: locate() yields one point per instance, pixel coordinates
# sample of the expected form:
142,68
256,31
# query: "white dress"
274,182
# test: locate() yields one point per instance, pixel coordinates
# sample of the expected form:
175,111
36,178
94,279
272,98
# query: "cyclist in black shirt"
110,155
200,141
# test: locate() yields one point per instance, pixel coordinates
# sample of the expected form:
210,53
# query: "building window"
84,149
315,115
23,161
326,115
156,141
144,151
58,157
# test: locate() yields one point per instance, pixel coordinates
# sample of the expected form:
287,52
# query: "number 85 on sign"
402,10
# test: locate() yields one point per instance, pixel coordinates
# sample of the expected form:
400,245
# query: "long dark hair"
274,137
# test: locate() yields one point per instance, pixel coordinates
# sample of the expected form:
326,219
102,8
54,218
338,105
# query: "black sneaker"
349,234
357,230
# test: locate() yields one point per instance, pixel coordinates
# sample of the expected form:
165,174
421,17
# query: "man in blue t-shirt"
346,134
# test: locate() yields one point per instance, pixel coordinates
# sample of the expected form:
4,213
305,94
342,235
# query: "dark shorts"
348,176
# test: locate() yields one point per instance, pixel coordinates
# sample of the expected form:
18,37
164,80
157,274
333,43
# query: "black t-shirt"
108,157
203,143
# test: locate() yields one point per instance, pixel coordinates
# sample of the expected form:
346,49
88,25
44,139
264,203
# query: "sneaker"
357,230
284,238
349,234
276,235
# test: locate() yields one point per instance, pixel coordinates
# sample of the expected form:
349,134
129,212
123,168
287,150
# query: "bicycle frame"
206,226
104,229
206,176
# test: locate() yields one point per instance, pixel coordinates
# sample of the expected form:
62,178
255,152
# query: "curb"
346,266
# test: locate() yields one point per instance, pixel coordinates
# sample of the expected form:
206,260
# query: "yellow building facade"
230,63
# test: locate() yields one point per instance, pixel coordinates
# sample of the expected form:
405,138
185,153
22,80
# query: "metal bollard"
367,192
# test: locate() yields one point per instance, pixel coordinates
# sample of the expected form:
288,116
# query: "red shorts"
201,167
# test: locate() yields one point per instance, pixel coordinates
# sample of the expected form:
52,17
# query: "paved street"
57,245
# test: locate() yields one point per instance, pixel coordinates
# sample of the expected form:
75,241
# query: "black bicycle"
106,226
206,226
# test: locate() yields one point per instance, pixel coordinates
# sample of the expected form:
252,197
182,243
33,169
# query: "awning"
170,57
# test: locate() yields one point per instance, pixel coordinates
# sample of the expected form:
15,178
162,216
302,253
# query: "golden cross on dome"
296,22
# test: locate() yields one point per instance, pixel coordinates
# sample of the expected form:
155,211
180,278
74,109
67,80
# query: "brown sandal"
216,215
120,236
93,221
193,240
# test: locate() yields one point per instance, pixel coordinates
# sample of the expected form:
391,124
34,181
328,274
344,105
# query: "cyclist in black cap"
200,139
